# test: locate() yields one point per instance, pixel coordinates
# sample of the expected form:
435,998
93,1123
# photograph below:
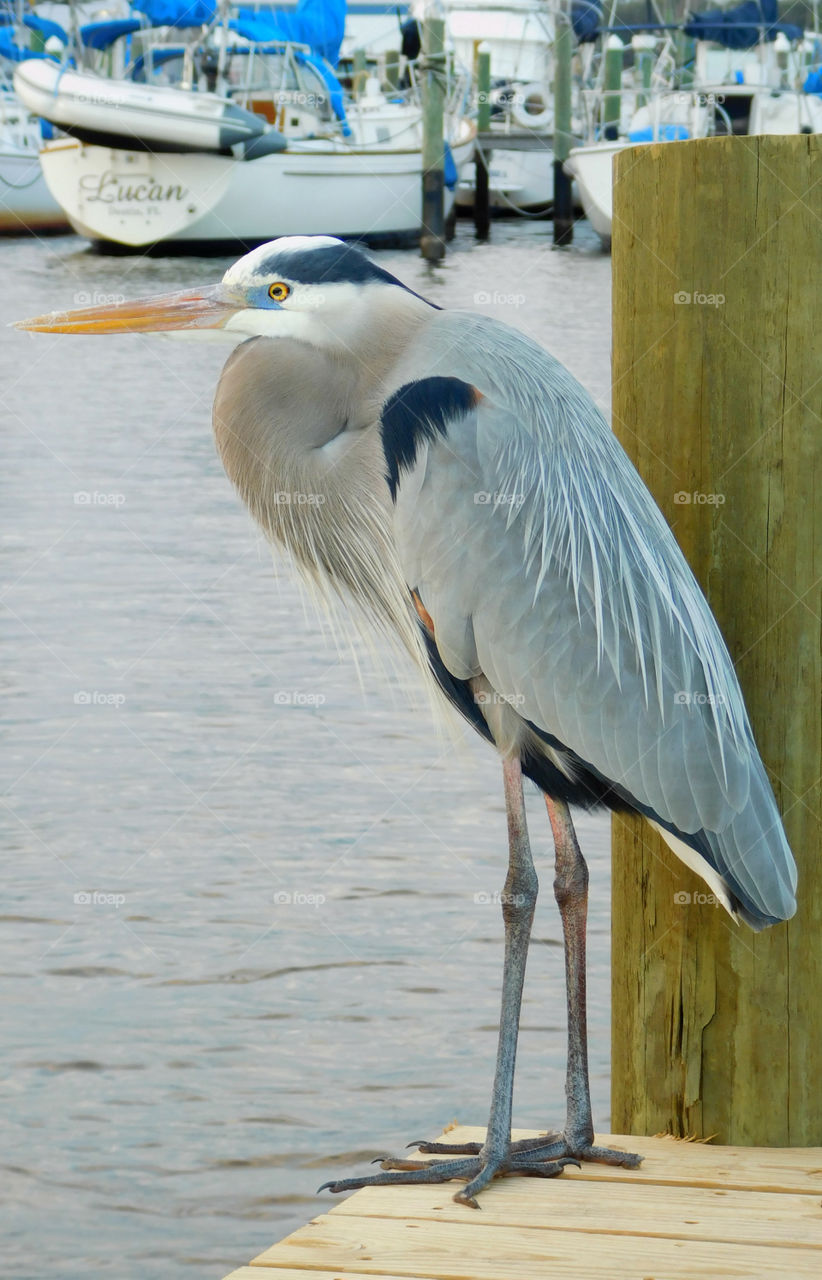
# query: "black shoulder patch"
420,411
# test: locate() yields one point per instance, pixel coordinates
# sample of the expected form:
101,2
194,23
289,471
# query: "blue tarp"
16,52
46,28
178,13
813,83
586,15
99,35
318,23
742,27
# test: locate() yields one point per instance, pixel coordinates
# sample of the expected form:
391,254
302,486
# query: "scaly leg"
496,1155
571,892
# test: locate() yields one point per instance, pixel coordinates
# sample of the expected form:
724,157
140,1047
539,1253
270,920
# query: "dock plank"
690,1209
692,1213
678,1163
452,1251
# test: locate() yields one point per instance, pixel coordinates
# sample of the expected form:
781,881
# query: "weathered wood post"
432,238
360,72
482,194
563,205
392,68
717,397
643,46
612,101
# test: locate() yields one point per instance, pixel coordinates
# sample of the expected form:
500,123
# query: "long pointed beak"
207,308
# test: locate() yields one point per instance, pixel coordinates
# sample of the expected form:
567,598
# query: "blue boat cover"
742,27
100,35
45,26
318,23
17,52
813,83
586,16
178,13
665,133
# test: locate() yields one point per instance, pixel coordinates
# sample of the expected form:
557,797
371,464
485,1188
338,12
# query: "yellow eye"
278,292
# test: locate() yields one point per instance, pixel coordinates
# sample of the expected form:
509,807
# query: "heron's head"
310,287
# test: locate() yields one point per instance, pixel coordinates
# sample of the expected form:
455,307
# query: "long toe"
407,1171
558,1148
449,1148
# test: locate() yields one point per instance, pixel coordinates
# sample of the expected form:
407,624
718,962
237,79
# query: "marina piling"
563,205
359,71
432,238
482,195
718,400
612,102
392,68
643,46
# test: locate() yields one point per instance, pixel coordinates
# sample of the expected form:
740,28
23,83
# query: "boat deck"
690,1210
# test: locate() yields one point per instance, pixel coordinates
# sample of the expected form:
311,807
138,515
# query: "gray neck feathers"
288,421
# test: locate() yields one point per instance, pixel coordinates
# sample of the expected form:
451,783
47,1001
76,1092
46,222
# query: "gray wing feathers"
562,582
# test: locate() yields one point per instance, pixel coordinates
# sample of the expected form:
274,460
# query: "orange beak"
207,308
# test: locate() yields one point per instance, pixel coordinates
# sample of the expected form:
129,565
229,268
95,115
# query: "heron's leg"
519,898
571,892
495,1156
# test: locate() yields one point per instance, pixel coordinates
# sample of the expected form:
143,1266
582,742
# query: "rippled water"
288,966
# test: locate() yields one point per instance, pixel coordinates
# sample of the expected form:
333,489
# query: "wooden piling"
360,71
432,238
611,102
563,141
717,398
482,194
643,46
392,68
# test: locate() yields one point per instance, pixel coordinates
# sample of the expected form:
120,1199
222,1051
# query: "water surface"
248,936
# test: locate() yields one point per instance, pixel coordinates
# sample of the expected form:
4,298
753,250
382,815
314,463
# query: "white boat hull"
592,169
516,180
157,116
136,198
26,204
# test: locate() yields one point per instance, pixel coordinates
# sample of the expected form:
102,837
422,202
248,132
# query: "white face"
279,305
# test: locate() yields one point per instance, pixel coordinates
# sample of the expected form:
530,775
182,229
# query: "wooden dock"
689,1212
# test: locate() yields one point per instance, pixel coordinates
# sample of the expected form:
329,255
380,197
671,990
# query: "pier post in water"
482,194
612,101
563,205
717,398
432,238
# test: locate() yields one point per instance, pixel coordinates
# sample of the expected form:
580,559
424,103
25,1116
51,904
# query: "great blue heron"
470,498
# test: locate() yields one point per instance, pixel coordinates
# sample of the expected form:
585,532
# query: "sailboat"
241,135
745,81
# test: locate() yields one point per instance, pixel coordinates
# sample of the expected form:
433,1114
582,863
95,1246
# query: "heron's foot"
551,1147
476,1171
